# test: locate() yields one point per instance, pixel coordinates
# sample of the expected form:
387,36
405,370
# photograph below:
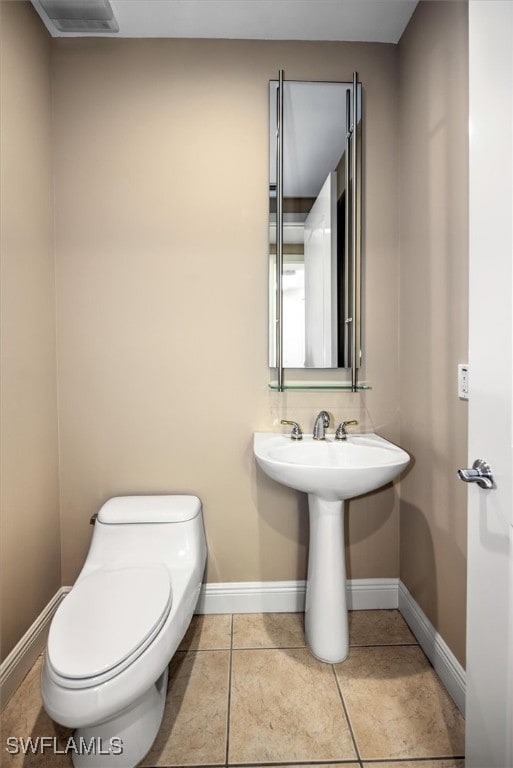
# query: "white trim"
372,594
22,657
252,597
445,663
268,597
289,596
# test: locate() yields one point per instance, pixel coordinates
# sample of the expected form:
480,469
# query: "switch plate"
463,376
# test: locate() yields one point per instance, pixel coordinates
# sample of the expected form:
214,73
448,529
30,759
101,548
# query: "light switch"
463,375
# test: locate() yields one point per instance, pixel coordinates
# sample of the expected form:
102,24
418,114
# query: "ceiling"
381,21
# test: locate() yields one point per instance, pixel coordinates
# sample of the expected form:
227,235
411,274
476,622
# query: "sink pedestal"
326,622
328,471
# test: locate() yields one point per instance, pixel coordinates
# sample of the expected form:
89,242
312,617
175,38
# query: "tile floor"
244,690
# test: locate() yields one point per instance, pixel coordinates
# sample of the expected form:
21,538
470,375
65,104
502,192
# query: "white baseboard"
289,596
252,597
268,597
372,594
22,657
445,663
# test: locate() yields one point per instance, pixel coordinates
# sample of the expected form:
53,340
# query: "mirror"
314,275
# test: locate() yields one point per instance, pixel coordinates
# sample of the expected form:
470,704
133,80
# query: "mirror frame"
353,243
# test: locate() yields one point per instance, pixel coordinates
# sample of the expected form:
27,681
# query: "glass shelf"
343,386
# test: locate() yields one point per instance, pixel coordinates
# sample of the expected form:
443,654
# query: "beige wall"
30,546
433,319
161,163
160,157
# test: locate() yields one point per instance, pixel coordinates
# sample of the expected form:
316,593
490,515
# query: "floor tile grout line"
374,761
377,761
285,764
302,763
269,647
228,708
384,645
296,647
350,725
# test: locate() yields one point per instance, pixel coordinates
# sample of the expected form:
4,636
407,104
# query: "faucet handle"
341,433
297,433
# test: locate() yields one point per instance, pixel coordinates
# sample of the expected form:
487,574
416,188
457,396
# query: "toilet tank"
130,510
147,529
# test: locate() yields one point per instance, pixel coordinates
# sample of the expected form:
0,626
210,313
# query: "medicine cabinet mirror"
314,228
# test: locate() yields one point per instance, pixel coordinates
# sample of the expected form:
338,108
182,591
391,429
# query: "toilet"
112,637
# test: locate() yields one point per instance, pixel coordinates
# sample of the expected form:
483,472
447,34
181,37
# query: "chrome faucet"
321,422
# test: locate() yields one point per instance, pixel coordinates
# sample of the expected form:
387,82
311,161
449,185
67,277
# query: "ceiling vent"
82,16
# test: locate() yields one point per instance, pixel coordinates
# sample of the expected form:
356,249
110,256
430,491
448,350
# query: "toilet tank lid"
149,509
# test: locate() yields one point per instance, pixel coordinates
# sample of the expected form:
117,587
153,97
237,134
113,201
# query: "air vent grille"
94,16
85,25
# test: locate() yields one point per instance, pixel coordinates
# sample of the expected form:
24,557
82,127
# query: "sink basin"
331,469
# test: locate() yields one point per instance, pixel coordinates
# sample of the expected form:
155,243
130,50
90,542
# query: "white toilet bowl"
112,637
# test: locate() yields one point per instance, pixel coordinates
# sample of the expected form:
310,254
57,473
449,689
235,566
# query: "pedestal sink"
329,471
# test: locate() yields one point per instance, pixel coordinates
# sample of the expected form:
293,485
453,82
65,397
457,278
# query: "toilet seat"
107,621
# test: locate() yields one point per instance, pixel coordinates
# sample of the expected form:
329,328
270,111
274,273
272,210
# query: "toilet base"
124,740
